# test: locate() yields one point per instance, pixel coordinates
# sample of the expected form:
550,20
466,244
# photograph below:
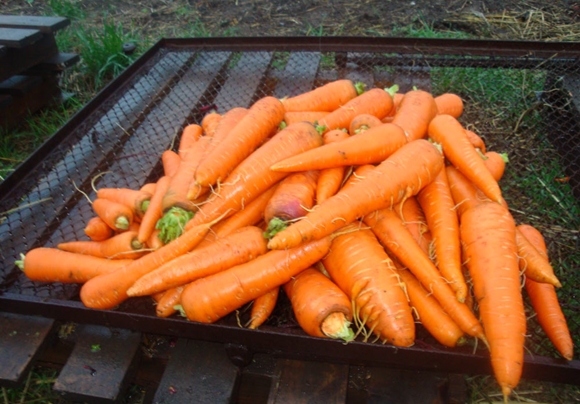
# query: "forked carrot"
327,97
121,246
450,104
97,230
416,110
262,307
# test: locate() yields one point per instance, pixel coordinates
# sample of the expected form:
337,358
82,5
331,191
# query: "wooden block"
19,37
17,60
22,338
197,372
57,63
308,382
19,85
99,366
47,25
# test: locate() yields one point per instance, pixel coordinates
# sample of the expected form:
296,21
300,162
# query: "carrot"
485,230
413,217
330,179
363,122
154,211
44,264
371,146
326,98
475,140
135,200
375,101
121,246
449,133
449,104
263,117
545,302
429,312
97,230
116,215
403,174
209,122
304,116
107,291
262,308
465,194
533,264
357,175
495,163
321,308
166,305
392,234
236,248
437,203
208,299
149,187
253,176
189,136
416,110
359,265
293,198
154,242
170,161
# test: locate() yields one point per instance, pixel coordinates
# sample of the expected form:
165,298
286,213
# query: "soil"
500,19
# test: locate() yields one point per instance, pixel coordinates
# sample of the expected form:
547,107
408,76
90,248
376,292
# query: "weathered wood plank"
197,372
99,365
57,63
19,85
19,37
46,25
21,339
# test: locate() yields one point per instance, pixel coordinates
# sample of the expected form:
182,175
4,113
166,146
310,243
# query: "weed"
66,8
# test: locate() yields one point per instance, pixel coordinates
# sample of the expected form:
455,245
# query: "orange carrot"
330,179
234,249
44,264
263,117
116,215
375,101
391,232
475,140
363,122
253,176
357,175
107,291
533,264
413,217
449,104
189,136
304,116
211,298
403,174
413,115
121,246
154,211
321,308
135,200
495,163
170,161
465,194
371,146
262,307
545,302
438,205
209,122
166,305
97,230
327,98
148,187
449,133
359,265
153,242
485,230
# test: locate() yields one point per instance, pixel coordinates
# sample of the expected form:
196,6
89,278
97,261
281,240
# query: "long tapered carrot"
154,211
359,265
253,176
170,161
358,174
438,205
327,97
486,230
189,137
134,199
391,232
234,249
121,246
208,299
330,179
450,134
97,230
117,216
534,265
413,217
375,101
109,290
450,104
321,308
545,302
262,307
262,118
414,113
401,175
45,264
372,146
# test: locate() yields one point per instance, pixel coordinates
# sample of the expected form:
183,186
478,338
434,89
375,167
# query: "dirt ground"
499,19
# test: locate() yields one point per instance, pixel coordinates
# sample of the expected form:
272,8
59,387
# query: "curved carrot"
450,134
357,175
534,265
170,161
321,308
413,217
391,232
189,137
53,265
359,265
304,116
450,104
121,246
165,306
208,299
371,146
262,118
363,122
475,140
545,302
327,97
485,230
135,200
330,179
154,211
117,216
149,187
416,110
97,230
401,175
262,307
234,249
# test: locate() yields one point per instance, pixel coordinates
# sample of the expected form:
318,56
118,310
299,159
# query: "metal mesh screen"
526,107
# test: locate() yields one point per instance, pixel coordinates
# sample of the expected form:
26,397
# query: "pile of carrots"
372,210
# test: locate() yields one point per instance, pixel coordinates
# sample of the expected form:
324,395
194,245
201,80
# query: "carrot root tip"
337,326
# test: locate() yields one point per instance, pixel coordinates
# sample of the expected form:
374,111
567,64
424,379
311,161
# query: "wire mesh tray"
521,97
